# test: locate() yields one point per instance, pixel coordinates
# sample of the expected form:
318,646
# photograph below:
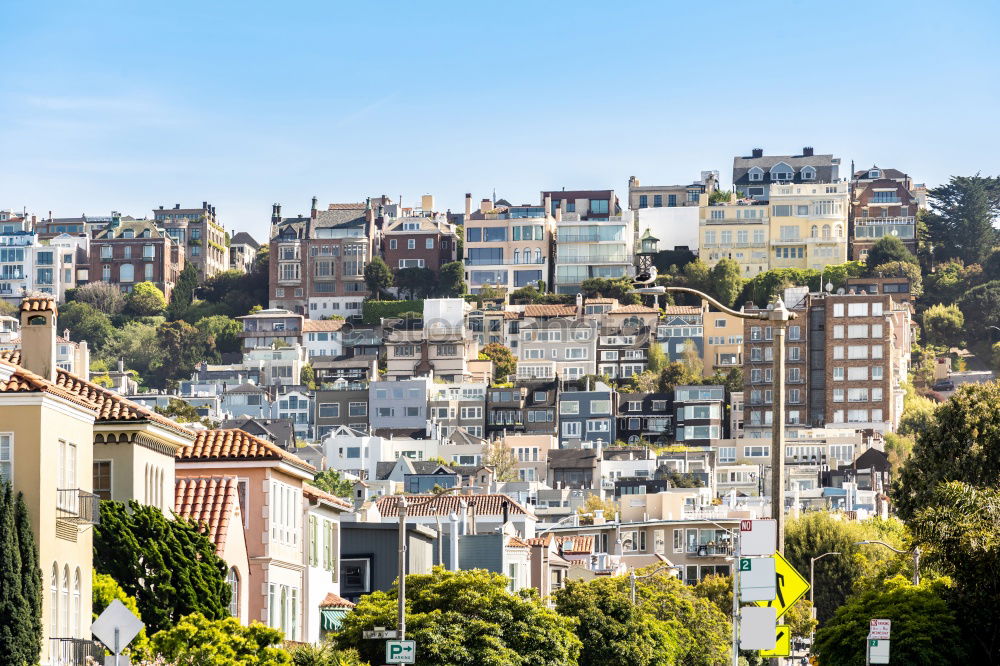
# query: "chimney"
506,513
275,213
548,205
485,205
559,212
177,206
161,208
757,152
38,336
427,202
313,211
468,204
807,151
579,305
204,205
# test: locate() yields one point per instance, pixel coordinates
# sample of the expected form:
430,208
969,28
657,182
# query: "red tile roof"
549,310
682,309
577,544
486,505
21,380
335,601
38,304
235,444
210,502
634,309
516,542
541,540
313,493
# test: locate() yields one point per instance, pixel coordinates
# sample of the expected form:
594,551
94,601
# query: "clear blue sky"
128,105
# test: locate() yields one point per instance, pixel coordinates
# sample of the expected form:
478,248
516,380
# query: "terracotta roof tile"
38,304
15,379
541,540
208,501
235,444
312,325
682,309
314,493
576,544
509,314
486,505
634,309
549,310
597,301
335,601
518,543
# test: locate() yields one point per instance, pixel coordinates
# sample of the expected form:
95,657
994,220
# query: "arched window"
839,231
633,439
76,604
234,585
64,600
126,273
814,232
826,231
517,256
54,601
538,255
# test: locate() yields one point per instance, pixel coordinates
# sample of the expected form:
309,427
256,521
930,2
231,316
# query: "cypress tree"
12,611
31,582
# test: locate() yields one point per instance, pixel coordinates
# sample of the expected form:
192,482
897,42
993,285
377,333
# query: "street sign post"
380,634
757,578
401,652
758,628
782,642
790,586
880,629
758,537
116,627
878,651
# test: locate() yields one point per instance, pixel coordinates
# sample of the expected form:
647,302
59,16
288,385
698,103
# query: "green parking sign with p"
401,652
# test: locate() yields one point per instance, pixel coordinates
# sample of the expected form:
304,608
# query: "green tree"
961,221
501,458
960,528
20,633
101,296
452,280
307,376
677,373
943,325
136,344
199,641
233,293
180,411
332,482
86,323
466,617
902,269
692,359
378,278
886,249
619,289
613,630
720,196
924,630
31,581
504,363
952,279
169,566
726,282
656,358
417,282
183,294
145,300
961,443
918,412
221,332
182,347
325,655
981,308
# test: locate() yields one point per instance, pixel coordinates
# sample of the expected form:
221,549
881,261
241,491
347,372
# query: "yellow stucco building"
808,224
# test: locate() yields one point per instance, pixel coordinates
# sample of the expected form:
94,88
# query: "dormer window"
781,172
808,173
874,173
128,233
756,173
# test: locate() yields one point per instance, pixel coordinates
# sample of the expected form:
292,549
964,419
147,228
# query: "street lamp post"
632,578
401,596
812,589
915,553
563,519
778,316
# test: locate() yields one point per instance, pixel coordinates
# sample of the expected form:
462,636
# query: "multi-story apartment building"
508,247
419,242
458,405
439,343
271,484
680,326
670,196
263,328
199,232
27,266
754,175
341,404
529,407
645,416
557,341
125,253
723,335
699,414
317,262
736,230
87,225
882,204
242,252
587,416
622,350
808,224
594,238
399,407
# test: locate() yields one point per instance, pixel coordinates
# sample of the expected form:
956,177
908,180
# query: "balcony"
78,506
74,651
861,221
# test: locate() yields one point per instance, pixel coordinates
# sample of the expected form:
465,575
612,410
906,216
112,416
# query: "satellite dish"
840,291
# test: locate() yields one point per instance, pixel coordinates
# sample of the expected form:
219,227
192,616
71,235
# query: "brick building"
419,242
198,231
126,252
318,261
882,204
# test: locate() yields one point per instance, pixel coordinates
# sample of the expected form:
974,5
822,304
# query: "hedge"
373,311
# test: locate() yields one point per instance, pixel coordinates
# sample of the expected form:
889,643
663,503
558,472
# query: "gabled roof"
15,379
311,492
246,388
243,238
634,309
209,502
313,325
682,310
335,601
486,505
237,445
549,310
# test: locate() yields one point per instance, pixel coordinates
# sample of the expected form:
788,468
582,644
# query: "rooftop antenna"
494,197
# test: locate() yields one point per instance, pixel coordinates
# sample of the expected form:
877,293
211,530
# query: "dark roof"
579,458
428,467
279,431
340,217
826,167
383,469
243,238
891,174
486,505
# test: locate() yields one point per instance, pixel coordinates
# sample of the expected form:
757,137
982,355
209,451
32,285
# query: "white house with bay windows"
321,557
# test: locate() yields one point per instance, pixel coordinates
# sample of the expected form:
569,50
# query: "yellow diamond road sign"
790,586
782,642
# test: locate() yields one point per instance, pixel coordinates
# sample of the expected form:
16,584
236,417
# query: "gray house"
755,174
399,408
369,555
587,416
